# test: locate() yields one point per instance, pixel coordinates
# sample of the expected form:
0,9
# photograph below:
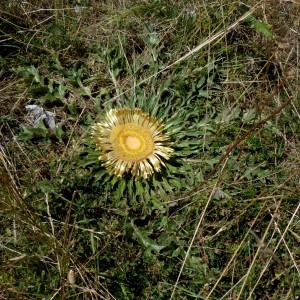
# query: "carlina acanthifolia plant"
131,141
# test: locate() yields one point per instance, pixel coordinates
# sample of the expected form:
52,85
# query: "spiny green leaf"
142,236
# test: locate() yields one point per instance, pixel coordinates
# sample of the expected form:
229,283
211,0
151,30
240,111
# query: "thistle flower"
131,141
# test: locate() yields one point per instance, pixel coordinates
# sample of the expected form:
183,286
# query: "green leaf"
35,132
144,240
259,26
120,190
262,27
59,133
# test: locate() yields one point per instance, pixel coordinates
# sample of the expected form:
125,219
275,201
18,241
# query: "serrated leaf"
35,132
144,240
59,133
120,190
249,115
259,26
262,27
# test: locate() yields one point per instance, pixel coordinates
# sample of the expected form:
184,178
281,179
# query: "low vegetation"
221,219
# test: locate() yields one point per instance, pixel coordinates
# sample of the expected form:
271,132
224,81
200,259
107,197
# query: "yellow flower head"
131,141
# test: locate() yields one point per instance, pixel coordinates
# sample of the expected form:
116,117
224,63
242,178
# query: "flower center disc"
133,142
